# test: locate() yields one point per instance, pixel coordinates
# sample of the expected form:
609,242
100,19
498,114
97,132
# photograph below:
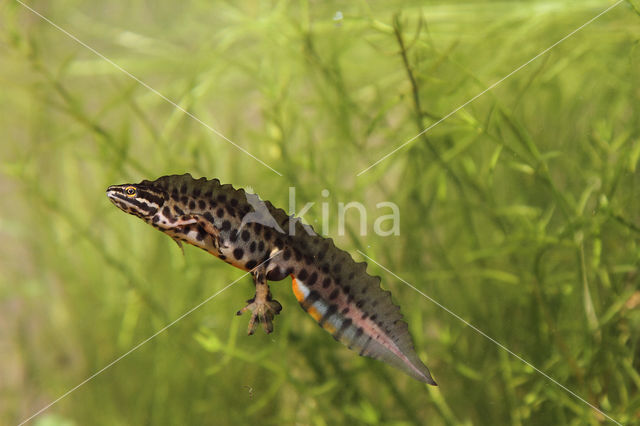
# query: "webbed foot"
262,311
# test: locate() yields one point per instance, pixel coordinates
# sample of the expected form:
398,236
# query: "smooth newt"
253,235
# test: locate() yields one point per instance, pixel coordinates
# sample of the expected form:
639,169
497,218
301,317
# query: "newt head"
139,200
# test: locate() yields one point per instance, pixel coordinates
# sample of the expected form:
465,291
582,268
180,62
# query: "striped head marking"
139,199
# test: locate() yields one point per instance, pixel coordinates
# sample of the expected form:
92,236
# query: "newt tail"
253,235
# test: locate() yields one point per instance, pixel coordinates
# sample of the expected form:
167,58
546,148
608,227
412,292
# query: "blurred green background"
520,213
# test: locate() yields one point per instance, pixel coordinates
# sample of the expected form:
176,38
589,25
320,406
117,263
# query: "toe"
268,326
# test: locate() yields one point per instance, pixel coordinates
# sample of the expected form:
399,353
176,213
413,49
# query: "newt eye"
130,191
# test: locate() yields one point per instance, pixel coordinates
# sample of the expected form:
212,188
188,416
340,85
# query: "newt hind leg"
262,307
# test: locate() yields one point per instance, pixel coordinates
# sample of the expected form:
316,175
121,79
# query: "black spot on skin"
365,315
325,268
279,243
287,254
222,198
153,211
346,323
166,212
192,205
208,194
202,205
220,212
373,317
267,234
334,294
238,253
346,289
175,196
222,256
261,246
245,235
359,332
257,227
308,260
321,255
359,304
208,216
212,204
252,247
303,274
234,236
289,271
196,192
178,211
234,202
345,311
201,233
226,225
330,312
326,282
184,199
311,299
155,219
251,264
183,188
298,254
277,274
231,211
312,279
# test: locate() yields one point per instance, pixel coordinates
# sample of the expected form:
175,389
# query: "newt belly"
253,235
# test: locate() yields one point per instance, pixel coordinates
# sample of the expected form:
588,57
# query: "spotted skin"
254,236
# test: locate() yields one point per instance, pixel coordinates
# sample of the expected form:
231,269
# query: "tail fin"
349,303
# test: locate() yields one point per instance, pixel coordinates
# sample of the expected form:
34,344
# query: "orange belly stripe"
297,291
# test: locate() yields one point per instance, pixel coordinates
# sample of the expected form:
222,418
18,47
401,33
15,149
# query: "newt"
253,235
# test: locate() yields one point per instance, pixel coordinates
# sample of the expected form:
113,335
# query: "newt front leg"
263,308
